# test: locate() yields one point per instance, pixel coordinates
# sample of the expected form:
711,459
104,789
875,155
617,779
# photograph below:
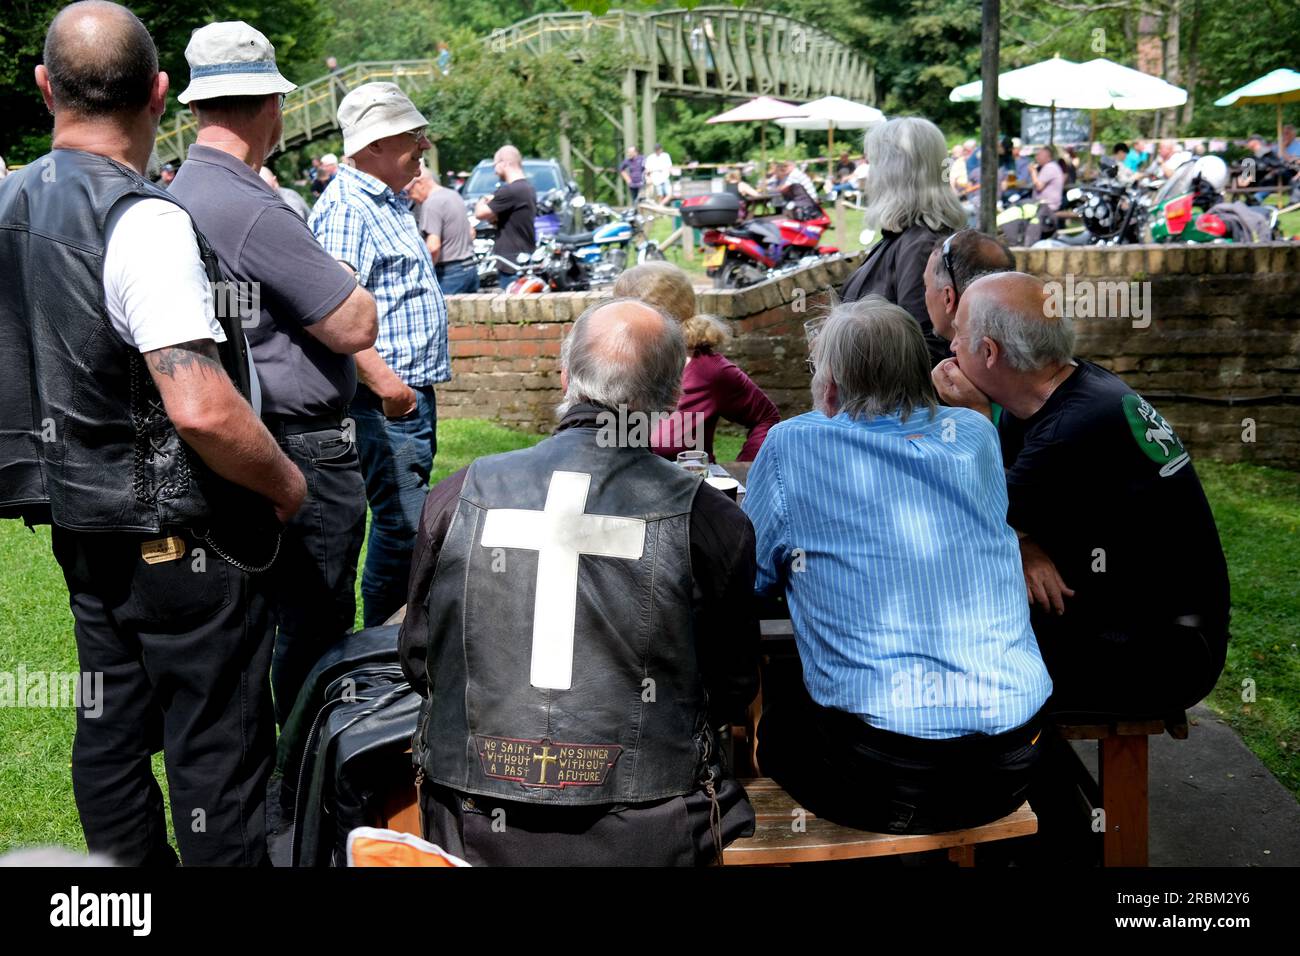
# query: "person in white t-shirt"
659,170
179,633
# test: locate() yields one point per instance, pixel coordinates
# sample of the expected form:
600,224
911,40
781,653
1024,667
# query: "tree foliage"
294,26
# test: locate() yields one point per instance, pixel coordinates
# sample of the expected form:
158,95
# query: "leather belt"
297,424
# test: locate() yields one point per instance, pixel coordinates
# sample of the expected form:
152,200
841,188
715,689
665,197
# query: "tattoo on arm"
200,354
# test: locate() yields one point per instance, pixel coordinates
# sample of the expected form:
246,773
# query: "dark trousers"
184,647
396,459
456,278
673,832
316,572
841,769
1102,665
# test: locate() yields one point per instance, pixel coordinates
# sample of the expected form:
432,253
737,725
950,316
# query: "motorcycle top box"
715,209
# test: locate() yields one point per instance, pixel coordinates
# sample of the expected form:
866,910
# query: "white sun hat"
231,59
373,111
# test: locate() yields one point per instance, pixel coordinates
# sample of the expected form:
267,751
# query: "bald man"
1121,555
513,208
129,408
580,618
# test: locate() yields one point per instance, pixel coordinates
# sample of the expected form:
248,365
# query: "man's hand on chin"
956,390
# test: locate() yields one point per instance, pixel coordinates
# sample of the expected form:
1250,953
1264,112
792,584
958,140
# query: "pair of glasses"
417,134
947,264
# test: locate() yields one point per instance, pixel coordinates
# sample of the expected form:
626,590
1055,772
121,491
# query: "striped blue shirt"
902,576
361,221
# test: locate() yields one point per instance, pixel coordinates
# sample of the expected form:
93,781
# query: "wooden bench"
1121,788
783,835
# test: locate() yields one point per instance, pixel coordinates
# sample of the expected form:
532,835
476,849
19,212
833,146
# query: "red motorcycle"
740,254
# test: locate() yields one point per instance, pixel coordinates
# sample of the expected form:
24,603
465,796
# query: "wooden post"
1124,786
629,128
629,109
648,113
989,44
566,154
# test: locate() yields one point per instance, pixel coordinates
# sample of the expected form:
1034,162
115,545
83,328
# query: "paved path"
1212,802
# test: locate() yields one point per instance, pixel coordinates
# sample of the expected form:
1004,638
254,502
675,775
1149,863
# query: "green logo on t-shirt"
1154,435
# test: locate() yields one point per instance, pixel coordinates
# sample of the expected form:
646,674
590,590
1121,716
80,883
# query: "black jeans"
184,647
841,769
673,832
316,572
1127,668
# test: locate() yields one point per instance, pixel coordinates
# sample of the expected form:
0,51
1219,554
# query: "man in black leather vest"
580,621
126,397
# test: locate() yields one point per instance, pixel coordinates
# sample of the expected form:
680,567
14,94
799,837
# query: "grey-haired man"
1119,548
364,220
305,316
581,617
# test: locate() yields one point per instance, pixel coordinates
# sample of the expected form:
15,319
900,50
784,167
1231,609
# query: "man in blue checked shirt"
363,221
882,517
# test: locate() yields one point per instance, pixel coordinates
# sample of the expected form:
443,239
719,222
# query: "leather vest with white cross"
561,662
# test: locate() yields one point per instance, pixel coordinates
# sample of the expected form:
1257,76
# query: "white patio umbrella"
1095,85
1053,83
1132,89
831,113
1278,87
761,109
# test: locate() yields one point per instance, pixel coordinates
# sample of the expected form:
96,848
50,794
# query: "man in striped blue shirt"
882,517
363,220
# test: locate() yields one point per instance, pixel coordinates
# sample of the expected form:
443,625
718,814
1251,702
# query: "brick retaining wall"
1223,345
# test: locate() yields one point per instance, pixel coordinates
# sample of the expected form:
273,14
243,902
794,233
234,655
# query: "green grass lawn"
1258,511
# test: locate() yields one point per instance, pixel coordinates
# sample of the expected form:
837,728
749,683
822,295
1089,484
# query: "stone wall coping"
1132,262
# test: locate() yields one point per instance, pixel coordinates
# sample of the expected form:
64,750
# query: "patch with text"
544,763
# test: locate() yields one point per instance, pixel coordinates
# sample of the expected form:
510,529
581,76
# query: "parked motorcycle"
1197,185
605,251
1111,212
741,254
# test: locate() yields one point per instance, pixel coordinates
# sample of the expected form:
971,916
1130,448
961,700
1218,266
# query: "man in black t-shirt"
513,208
1120,551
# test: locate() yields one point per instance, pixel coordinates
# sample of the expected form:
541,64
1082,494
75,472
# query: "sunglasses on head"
947,264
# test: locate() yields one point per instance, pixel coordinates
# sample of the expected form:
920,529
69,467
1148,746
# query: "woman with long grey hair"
912,204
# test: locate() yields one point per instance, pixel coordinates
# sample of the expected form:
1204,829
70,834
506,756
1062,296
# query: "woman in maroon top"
713,387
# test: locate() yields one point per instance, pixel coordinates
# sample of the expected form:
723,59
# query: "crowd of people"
972,529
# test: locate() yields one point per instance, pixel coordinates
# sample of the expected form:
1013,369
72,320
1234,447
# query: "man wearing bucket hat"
305,316
363,220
